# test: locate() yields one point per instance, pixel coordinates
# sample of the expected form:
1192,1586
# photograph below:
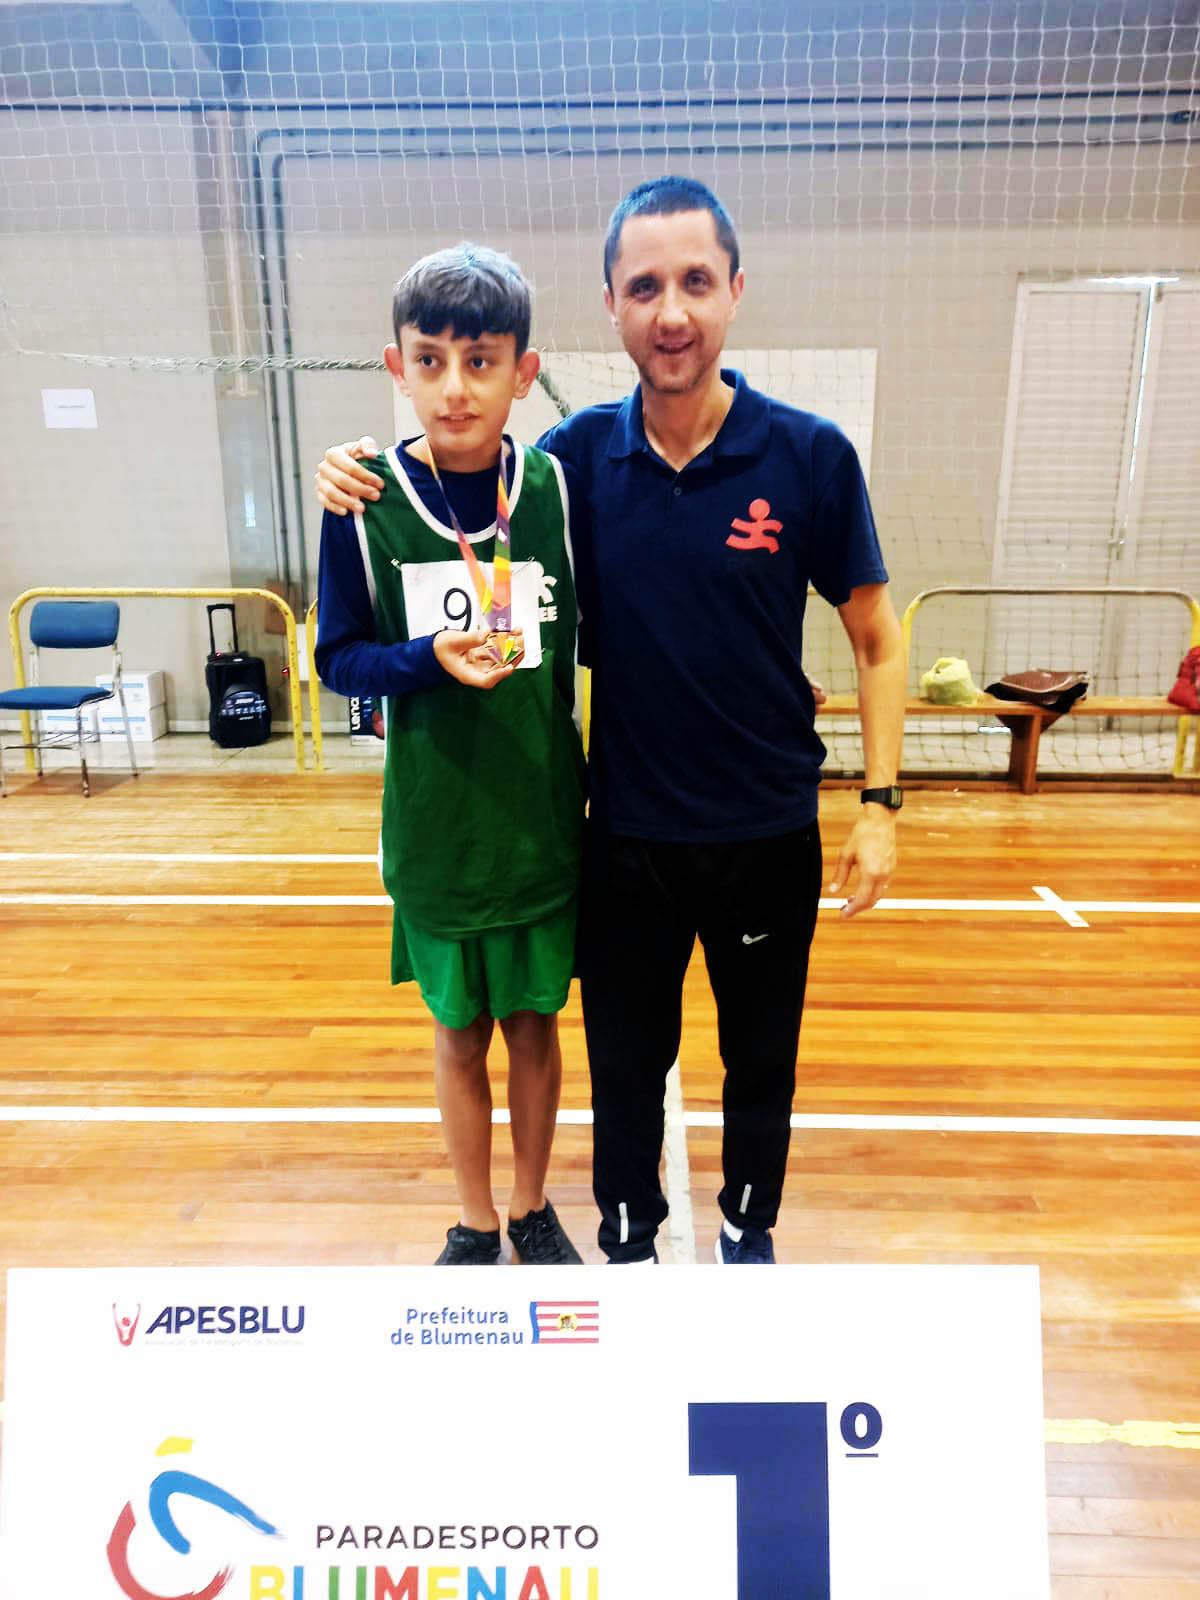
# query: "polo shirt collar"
744,432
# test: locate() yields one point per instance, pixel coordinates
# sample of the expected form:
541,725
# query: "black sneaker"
754,1246
539,1241
470,1247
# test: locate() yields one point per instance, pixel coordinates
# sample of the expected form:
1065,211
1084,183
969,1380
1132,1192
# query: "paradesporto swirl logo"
166,1487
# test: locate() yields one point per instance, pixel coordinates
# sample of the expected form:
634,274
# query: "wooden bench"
1026,722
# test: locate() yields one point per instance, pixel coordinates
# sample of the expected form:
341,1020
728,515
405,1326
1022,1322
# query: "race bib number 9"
439,594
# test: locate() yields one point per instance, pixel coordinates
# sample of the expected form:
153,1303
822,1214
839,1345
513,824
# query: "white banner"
799,1433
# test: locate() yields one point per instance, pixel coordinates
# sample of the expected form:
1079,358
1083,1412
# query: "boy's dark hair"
468,288
661,197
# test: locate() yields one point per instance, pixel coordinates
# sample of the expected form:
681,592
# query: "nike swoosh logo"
746,939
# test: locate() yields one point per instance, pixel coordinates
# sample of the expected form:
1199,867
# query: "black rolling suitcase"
239,713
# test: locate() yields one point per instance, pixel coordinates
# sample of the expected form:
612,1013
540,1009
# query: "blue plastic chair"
67,625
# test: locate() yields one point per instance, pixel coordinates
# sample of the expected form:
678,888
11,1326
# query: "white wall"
137,501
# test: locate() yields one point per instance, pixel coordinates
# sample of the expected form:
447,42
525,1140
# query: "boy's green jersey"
484,788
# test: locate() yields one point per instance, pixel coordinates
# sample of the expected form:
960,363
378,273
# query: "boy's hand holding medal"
481,658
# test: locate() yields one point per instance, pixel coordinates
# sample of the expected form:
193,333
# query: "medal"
495,599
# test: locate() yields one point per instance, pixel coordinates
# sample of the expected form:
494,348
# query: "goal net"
971,235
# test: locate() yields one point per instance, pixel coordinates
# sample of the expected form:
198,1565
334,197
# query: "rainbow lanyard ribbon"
495,599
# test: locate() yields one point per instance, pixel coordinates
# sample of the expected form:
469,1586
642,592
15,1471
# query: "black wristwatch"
892,797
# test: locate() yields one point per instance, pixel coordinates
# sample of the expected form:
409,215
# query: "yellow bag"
949,683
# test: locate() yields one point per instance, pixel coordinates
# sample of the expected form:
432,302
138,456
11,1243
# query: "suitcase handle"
223,605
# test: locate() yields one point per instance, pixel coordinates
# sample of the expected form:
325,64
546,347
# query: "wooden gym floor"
974,1070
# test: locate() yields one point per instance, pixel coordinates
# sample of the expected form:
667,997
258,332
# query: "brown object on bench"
1024,722
1053,691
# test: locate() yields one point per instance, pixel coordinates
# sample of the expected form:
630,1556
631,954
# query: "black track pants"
754,907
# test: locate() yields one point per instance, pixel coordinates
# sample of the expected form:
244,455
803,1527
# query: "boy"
454,597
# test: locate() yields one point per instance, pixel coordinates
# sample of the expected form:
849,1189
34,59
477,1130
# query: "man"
712,508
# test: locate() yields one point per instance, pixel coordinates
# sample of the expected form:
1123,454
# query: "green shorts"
499,972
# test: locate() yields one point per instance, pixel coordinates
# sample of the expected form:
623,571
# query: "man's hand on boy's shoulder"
466,656
343,484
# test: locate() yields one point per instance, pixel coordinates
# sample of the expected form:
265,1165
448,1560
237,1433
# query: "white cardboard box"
64,722
142,689
145,725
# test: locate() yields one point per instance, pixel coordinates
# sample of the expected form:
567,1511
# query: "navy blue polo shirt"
692,589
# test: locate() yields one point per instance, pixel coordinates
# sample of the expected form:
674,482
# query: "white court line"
1074,1125
1047,899
214,900
427,1115
1146,908
678,1174
1041,905
209,858
1068,913
418,1115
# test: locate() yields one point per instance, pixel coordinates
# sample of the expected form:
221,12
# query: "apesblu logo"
207,1321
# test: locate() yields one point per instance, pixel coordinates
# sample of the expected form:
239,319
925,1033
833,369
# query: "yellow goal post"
1096,591
118,593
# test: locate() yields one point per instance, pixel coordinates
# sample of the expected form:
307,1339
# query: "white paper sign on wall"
69,408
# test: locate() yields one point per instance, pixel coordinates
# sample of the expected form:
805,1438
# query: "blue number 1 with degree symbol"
779,1454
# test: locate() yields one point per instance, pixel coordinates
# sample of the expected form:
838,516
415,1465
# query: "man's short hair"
468,288
661,197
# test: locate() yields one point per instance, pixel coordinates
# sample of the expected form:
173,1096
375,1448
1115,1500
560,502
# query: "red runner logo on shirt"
757,530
